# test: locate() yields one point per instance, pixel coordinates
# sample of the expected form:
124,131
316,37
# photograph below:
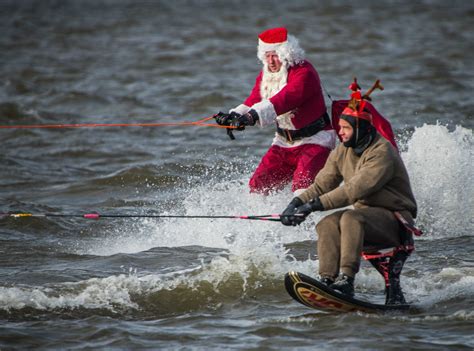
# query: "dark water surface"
72,283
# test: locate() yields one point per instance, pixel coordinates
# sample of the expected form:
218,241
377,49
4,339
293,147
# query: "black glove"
287,217
225,119
304,210
296,216
247,119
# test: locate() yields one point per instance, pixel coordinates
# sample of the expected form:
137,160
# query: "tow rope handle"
228,128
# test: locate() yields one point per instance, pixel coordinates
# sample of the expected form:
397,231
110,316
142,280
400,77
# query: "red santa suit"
293,99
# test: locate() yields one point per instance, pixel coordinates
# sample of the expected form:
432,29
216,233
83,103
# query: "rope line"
270,217
199,123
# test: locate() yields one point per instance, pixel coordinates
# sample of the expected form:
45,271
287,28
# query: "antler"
354,85
376,85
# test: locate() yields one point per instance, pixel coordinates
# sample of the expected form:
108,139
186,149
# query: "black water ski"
315,294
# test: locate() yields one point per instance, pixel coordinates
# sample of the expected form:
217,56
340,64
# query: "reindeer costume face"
359,118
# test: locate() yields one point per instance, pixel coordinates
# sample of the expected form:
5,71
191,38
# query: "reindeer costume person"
375,182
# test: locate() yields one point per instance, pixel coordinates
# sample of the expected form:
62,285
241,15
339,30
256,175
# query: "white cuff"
266,112
241,109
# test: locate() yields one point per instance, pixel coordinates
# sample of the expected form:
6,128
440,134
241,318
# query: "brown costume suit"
376,183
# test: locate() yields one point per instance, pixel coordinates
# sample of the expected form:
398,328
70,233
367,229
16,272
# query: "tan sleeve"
375,172
327,179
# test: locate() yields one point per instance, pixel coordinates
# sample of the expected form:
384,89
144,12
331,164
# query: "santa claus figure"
287,94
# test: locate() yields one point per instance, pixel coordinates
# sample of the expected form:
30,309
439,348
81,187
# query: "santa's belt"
309,130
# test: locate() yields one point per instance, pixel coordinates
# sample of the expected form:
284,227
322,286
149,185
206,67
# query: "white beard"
272,83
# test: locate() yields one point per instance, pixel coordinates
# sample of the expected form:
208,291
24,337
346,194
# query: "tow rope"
94,215
199,123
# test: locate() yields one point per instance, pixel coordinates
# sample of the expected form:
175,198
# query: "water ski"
314,294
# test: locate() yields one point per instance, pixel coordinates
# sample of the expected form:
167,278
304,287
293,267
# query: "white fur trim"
289,52
265,47
266,112
241,109
285,121
326,138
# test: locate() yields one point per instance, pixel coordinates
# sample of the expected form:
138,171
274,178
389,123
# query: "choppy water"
215,284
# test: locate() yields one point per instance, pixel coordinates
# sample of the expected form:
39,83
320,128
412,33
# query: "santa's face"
273,62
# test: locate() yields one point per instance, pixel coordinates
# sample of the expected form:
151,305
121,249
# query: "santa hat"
271,39
355,107
286,46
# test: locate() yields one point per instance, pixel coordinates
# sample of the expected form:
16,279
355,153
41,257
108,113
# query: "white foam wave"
449,283
93,293
251,268
441,168
117,292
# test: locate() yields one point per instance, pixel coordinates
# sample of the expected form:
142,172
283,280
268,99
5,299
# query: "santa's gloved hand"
247,119
225,119
304,210
287,217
